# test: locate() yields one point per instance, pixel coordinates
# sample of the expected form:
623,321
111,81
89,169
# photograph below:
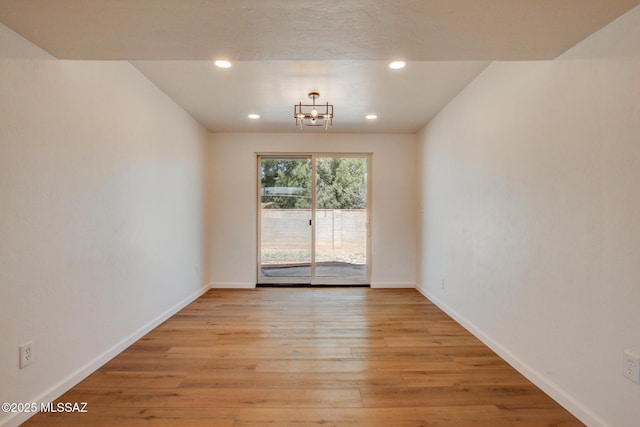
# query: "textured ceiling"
283,48
418,30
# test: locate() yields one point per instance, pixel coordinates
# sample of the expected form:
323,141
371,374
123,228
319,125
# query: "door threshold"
307,285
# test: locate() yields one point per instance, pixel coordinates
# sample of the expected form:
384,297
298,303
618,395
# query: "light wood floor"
309,357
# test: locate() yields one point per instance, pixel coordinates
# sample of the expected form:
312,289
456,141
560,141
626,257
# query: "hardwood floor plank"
435,363
263,352
104,416
419,352
119,379
309,357
539,415
509,395
127,362
321,380
375,417
391,397
506,376
428,340
216,397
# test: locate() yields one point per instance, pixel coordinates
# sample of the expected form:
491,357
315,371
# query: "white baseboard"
251,285
542,382
392,285
63,386
232,285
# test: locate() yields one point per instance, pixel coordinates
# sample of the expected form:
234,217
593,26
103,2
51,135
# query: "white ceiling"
282,49
403,100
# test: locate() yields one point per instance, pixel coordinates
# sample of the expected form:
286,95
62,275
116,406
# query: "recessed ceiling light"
396,65
254,116
222,63
371,116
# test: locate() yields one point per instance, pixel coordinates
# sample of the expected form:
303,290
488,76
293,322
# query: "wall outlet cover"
631,366
26,354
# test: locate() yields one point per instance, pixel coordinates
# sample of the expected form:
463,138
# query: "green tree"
341,183
285,183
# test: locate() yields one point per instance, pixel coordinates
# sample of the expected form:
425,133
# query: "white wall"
530,213
101,219
233,194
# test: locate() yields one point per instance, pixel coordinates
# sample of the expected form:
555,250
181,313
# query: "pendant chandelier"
312,114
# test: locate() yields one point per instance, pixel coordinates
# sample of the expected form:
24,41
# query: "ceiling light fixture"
396,65
371,116
222,63
254,116
312,114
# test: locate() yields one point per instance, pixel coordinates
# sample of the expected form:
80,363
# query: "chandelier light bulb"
311,114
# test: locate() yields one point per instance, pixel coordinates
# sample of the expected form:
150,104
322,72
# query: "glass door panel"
285,211
341,219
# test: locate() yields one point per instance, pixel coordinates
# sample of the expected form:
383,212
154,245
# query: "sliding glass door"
341,219
285,220
313,219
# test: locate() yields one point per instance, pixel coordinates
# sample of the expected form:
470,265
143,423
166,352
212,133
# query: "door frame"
313,156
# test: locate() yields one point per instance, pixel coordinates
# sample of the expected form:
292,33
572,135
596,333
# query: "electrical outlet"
631,366
26,354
